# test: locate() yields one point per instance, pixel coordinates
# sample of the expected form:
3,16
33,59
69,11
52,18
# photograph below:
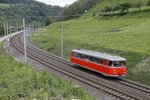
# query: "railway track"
137,86
51,61
134,85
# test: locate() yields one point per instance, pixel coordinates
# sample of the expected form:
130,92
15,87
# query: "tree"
33,11
125,6
117,8
148,3
139,4
77,9
47,21
107,9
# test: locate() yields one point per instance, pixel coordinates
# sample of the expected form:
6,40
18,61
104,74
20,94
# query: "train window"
87,57
119,63
101,61
96,60
110,63
82,56
91,59
79,55
124,63
76,55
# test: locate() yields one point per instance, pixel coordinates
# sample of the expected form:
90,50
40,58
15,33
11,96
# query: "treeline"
32,12
15,1
35,13
122,8
77,9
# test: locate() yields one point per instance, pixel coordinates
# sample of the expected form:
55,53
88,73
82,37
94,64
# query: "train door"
106,62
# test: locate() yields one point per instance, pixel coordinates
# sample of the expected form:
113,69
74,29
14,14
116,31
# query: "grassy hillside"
127,36
19,82
134,4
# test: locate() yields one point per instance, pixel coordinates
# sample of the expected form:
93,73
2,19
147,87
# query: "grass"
19,81
127,36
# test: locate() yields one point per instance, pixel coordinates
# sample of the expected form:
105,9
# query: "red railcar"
103,63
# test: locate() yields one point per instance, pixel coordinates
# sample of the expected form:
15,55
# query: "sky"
61,3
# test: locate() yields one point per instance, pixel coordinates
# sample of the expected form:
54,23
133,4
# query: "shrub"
138,4
117,8
125,6
148,3
47,21
107,9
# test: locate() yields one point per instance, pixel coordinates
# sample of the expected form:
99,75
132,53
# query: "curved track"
121,89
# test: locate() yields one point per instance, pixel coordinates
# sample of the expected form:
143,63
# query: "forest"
16,1
29,9
76,9
33,11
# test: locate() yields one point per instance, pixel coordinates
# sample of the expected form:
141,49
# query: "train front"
117,68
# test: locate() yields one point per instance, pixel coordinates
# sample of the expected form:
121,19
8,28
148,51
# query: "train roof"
99,55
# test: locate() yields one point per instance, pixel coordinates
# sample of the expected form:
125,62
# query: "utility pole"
62,40
10,29
5,28
30,29
33,26
17,29
7,36
7,32
25,48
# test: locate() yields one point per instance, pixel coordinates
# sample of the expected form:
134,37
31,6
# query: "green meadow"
126,36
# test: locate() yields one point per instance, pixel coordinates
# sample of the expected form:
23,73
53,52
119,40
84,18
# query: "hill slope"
127,36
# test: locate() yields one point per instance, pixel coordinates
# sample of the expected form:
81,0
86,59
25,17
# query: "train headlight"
114,71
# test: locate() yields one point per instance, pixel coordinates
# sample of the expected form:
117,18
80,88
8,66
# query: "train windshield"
117,63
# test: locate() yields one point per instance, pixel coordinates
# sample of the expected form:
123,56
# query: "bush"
117,8
107,9
138,4
47,21
148,3
76,9
125,6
